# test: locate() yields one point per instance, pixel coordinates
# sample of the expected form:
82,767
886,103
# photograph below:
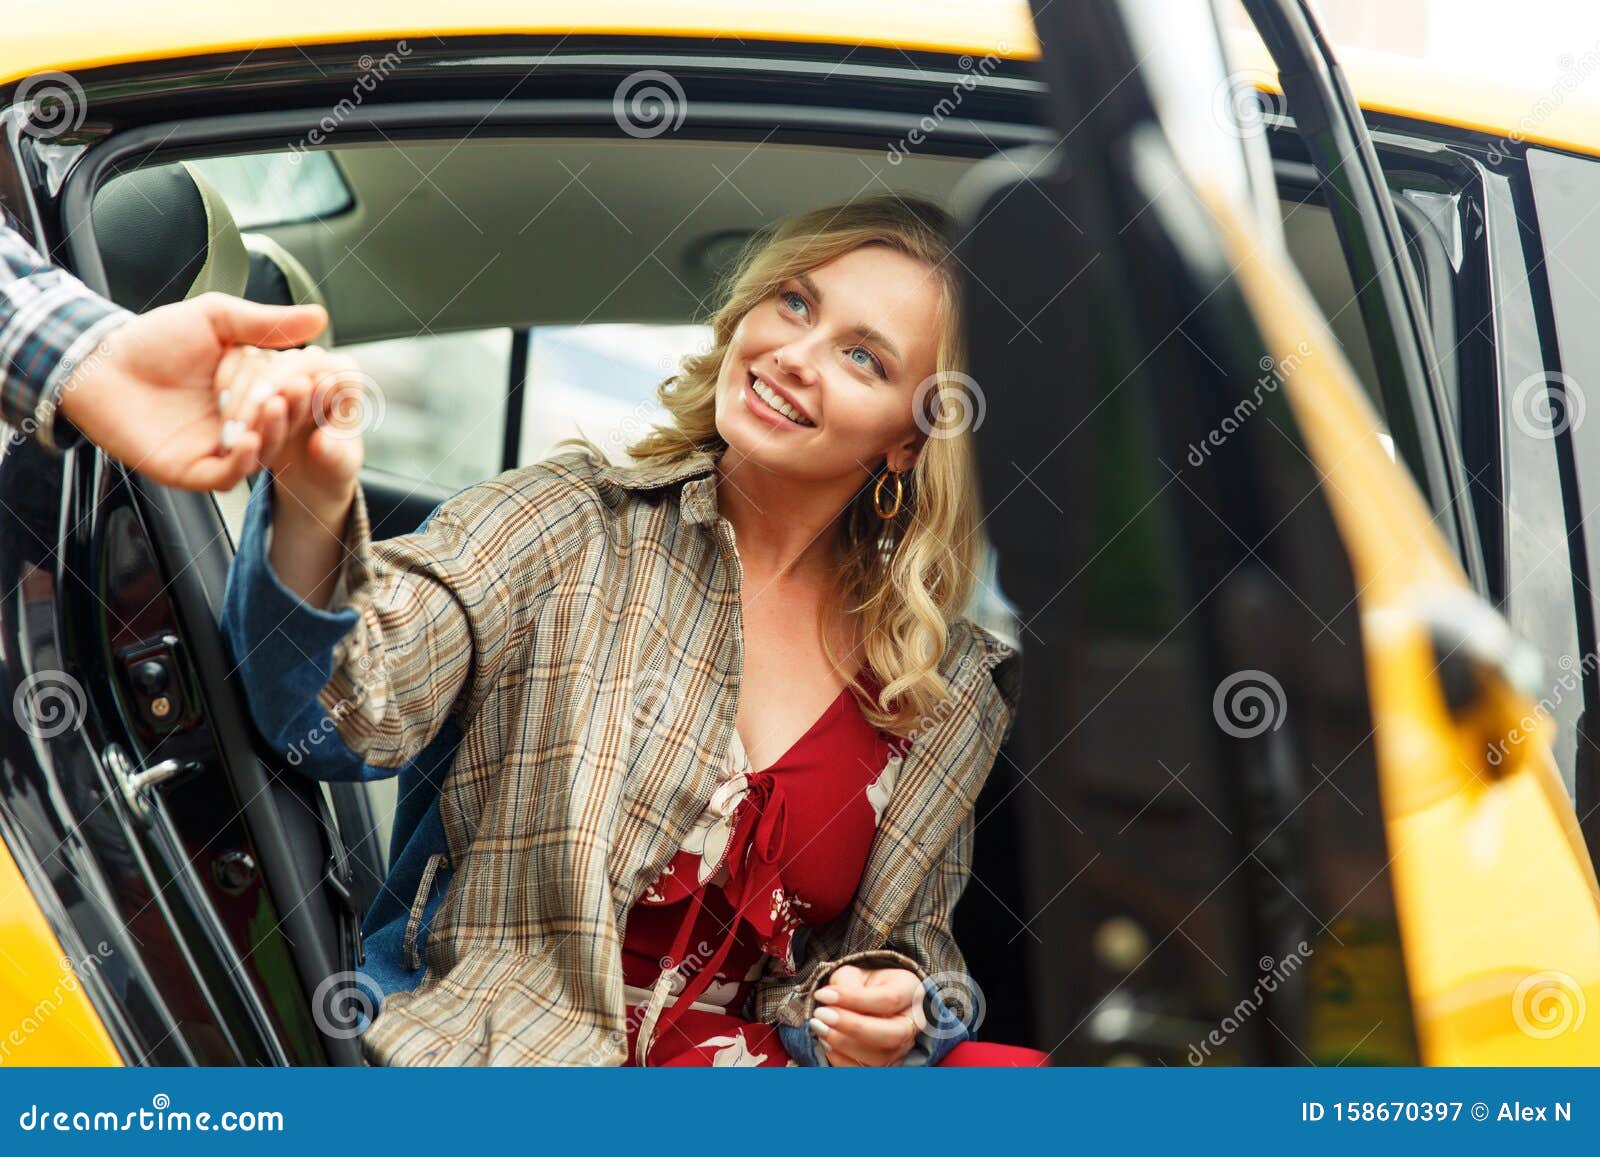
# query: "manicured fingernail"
825,1046
232,430
827,995
223,398
818,1029
828,1015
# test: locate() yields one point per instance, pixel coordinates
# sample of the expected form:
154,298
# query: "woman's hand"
316,448
872,1016
311,443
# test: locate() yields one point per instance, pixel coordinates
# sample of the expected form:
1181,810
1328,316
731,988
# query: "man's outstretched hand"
150,394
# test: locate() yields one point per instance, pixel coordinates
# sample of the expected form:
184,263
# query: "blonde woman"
688,748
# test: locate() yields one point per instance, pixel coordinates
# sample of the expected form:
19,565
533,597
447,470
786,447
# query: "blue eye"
872,363
788,297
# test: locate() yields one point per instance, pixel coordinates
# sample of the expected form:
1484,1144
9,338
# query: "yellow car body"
1498,901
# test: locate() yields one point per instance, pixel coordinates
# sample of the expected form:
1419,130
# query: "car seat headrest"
166,235
278,277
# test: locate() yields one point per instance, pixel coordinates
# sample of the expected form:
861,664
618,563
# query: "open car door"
1286,803
207,881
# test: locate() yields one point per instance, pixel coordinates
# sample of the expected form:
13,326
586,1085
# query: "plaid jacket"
570,633
49,322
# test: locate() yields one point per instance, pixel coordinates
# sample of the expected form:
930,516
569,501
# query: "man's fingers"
239,322
223,472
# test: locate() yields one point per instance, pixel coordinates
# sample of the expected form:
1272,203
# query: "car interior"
443,255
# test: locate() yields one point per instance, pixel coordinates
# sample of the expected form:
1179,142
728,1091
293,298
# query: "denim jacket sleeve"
356,691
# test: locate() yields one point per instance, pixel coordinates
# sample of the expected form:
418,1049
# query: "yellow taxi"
1283,360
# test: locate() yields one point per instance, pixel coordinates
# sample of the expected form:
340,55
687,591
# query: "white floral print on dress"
732,1052
881,789
651,895
721,991
709,837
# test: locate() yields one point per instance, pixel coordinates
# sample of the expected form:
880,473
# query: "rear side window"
437,405
600,381
265,189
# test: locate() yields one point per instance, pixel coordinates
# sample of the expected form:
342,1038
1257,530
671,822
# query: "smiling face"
839,351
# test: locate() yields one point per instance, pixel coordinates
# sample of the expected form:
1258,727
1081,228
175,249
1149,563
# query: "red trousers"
714,1039
982,1054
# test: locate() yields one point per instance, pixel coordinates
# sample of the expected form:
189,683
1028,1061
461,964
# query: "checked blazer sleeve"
420,625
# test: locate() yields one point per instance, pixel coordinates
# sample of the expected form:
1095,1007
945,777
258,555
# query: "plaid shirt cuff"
53,428
50,323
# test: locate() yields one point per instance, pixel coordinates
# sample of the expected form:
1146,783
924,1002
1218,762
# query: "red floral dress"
774,849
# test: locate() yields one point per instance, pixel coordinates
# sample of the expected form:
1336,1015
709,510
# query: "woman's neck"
784,531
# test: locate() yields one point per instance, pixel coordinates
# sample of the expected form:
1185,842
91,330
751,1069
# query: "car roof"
107,32
1560,111
102,33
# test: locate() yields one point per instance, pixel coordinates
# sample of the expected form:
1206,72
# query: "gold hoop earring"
877,495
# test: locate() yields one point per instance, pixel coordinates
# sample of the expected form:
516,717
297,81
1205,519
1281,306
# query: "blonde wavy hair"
903,580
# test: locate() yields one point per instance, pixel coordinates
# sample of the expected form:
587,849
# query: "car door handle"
138,784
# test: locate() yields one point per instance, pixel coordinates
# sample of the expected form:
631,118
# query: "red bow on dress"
753,856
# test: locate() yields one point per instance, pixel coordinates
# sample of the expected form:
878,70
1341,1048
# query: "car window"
599,381
438,405
267,189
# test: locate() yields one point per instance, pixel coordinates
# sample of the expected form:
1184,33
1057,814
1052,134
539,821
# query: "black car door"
1205,843
140,809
